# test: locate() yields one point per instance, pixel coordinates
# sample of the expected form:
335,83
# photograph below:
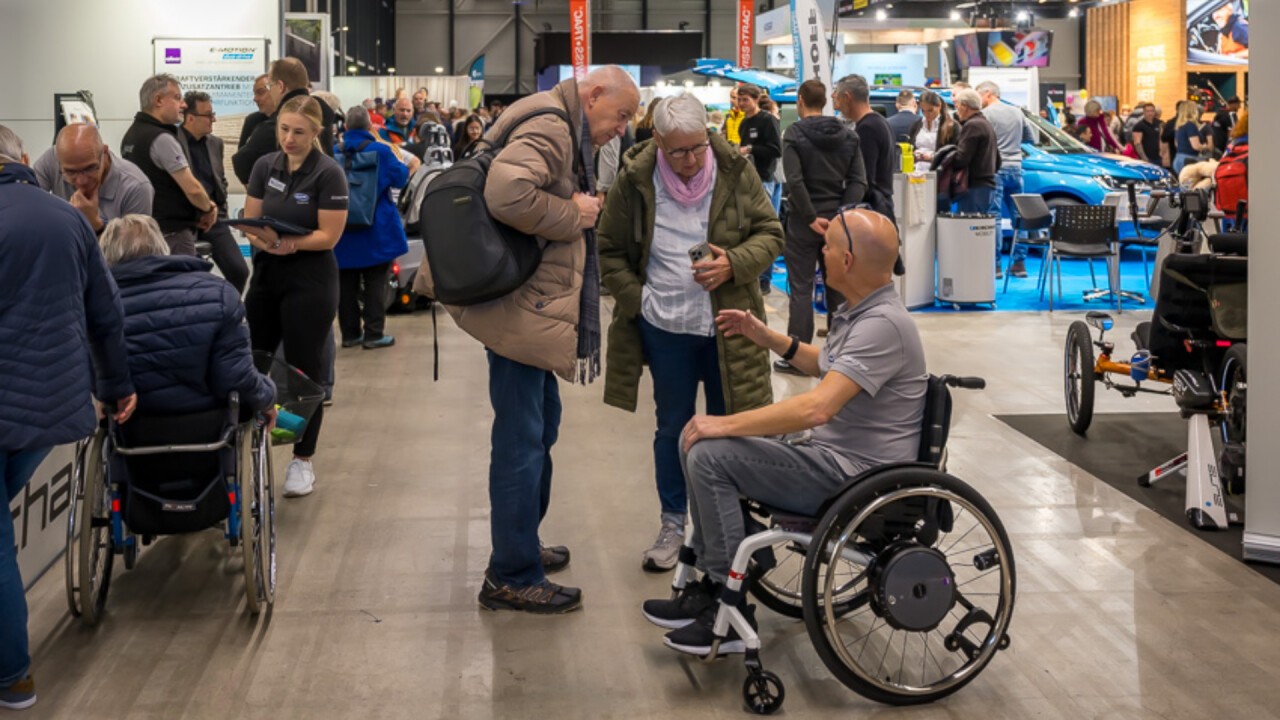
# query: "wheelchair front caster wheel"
763,692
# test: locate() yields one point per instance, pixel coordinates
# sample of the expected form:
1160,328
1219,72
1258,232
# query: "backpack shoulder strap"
501,141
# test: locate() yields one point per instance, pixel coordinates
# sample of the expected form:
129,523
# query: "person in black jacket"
266,106
1223,123
852,97
977,153
287,80
762,144
823,167
184,327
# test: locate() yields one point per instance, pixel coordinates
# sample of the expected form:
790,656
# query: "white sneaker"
665,552
299,478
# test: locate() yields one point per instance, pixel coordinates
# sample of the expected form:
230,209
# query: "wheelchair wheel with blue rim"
90,549
909,585
1078,377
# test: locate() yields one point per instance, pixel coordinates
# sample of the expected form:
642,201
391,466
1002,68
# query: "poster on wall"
306,37
580,36
1218,32
224,68
746,24
1022,48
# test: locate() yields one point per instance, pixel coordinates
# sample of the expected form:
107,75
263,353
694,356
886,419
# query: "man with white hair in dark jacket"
58,309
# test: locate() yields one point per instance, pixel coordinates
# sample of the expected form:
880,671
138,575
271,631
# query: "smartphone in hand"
699,252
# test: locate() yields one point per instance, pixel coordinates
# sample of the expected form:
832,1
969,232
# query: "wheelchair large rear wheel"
1078,374
933,581
90,551
1235,385
257,518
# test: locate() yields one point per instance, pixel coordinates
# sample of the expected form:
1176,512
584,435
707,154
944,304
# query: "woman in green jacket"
686,231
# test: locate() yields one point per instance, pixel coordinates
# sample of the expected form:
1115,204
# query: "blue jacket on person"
383,241
187,337
61,322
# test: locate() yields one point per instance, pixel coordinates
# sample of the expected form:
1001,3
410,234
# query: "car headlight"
1107,182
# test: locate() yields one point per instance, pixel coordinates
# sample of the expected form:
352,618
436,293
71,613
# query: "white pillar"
1262,499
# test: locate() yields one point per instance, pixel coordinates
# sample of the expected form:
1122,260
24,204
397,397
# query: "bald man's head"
875,246
609,99
82,157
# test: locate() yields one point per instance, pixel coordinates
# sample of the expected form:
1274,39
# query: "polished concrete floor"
1120,613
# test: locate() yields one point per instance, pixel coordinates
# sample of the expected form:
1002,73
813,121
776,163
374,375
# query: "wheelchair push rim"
917,646
90,546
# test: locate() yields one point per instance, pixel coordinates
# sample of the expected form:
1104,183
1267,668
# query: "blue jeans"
678,363
977,200
1182,160
1008,184
526,423
773,189
16,468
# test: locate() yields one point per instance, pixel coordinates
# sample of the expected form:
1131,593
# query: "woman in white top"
935,129
686,230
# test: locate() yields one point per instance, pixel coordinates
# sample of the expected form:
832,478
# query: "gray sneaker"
666,549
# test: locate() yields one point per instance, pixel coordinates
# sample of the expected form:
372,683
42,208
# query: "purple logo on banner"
172,56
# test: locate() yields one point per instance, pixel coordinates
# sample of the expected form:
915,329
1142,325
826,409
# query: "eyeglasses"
840,214
682,153
260,90
90,171
211,115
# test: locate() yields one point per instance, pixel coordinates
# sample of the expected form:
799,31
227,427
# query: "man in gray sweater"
1011,131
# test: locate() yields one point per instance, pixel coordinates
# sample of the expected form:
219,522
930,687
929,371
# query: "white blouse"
927,140
672,300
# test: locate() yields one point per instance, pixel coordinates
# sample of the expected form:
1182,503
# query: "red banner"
580,36
746,31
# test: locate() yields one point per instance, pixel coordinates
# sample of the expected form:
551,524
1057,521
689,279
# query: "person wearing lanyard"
935,129
293,292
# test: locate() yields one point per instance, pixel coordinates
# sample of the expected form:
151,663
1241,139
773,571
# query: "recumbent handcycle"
1194,348
904,578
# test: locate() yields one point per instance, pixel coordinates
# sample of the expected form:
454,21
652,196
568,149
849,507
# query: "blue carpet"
1022,295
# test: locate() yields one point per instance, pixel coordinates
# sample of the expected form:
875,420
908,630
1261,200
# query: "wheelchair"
166,475
905,578
1193,348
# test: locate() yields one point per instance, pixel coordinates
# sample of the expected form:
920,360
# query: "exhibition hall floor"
1120,614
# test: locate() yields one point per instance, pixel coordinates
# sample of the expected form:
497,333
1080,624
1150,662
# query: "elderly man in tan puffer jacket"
535,185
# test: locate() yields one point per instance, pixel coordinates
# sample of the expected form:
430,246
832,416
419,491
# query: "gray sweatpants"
796,478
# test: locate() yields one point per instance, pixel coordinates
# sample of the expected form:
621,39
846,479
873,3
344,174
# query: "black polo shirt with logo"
298,197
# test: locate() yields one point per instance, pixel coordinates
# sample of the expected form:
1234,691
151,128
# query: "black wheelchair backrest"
937,421
1202,297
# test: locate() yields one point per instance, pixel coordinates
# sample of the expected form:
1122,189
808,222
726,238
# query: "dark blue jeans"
16,468
1008,184
526,423
678,363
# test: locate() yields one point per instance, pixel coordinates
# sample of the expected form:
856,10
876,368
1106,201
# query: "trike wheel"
1078,374
933,579
96,556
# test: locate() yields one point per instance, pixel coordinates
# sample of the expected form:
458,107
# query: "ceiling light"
439,69
945,44
1023,16
955,16
881,16
1074,12
391,70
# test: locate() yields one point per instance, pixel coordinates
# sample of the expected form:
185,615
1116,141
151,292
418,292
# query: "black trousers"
227,256
363,296
802,254
293,299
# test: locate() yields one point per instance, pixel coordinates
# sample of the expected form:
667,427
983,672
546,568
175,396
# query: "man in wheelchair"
867,410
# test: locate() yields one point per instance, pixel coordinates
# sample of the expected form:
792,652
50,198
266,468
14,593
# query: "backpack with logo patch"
1232,178
361,166
473,257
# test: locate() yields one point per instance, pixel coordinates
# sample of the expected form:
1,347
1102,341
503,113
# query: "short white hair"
987,86
11,149
132,237
683,113
968,98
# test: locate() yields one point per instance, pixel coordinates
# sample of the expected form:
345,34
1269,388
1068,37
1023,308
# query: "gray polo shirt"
876,345
1008,122
124,191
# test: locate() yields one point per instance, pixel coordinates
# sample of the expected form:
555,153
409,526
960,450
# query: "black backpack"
473,257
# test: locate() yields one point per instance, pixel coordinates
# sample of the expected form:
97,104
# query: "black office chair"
1084,232
1031,221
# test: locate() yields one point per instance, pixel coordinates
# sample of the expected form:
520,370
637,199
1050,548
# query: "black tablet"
281,227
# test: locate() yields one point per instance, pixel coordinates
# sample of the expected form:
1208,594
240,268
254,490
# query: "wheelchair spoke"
888,643
978,577
967,551
962,537
864,637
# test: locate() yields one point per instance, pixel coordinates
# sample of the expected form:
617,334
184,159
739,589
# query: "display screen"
781,57
968,54
894,79
1024,48
1218,32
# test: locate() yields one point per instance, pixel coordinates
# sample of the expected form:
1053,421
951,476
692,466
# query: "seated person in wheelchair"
184,327
866,411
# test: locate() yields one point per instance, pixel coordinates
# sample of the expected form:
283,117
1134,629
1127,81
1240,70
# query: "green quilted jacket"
742,222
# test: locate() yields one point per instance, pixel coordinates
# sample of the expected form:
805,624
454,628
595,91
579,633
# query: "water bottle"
819,292
1140,365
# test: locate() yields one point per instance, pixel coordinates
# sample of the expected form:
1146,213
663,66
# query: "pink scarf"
690,193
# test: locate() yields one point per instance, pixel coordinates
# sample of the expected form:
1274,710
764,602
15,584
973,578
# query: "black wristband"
791,351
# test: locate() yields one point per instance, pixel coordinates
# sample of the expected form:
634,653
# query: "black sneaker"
783,366
696,637
554,558
545,598
685,608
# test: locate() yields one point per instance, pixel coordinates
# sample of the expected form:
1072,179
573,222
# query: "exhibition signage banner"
580,36
746,25
224,68
40,514
476,76
813,51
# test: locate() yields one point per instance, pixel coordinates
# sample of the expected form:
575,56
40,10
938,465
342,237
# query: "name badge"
302,198
276,184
